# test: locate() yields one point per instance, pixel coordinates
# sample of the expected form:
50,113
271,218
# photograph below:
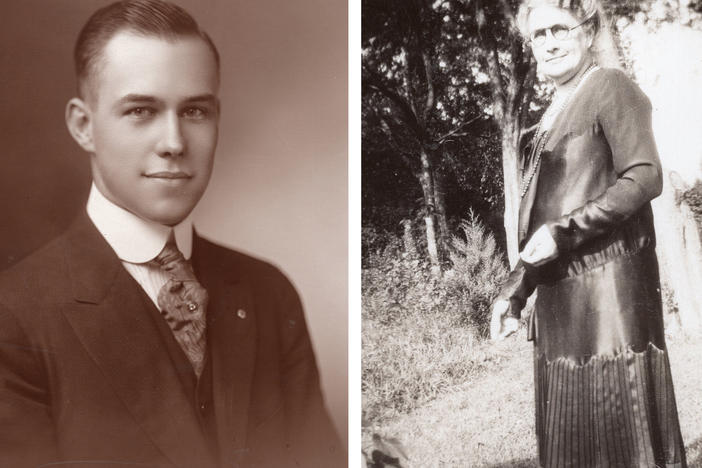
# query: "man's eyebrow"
211,98
133,97
136,98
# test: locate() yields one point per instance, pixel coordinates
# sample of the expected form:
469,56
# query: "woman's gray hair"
582,10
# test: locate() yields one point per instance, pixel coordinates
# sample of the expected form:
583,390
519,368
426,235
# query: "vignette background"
279,189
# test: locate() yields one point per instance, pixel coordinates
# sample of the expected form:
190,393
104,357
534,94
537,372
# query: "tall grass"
421,330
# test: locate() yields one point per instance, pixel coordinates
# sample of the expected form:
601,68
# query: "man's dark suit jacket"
87,376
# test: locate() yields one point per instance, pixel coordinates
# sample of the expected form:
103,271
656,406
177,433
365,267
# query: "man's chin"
171,221
167,215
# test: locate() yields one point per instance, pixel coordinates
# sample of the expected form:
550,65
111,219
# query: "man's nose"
172,142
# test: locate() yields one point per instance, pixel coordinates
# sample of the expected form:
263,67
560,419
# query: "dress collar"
134,239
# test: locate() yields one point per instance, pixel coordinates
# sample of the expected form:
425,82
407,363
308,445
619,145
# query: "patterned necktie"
183,303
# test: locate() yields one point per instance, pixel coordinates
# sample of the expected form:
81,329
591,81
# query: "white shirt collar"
135,239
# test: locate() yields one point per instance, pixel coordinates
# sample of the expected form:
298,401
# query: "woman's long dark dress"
604,394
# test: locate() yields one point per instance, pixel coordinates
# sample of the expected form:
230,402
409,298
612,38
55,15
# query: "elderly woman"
604,395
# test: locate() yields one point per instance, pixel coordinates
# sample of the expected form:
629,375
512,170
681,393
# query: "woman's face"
558,59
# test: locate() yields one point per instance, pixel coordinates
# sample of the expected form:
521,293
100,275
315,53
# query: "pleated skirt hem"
613,411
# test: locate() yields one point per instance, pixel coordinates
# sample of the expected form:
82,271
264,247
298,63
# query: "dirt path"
489,422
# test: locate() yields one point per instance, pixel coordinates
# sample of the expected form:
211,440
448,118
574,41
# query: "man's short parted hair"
150,18
582,10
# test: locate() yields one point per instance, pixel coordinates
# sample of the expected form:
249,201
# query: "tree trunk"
426,179
440,200
606,49
510,172
431,241
679,252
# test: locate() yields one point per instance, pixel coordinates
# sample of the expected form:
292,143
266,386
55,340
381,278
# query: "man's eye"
140,112
195,113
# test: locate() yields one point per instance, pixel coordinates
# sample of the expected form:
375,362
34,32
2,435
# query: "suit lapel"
119,334
232,337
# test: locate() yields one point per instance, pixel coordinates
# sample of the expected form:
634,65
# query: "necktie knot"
170,259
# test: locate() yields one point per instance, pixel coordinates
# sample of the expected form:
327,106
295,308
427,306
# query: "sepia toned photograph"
531,217
174,276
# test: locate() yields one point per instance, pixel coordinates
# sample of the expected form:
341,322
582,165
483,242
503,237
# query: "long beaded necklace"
539,141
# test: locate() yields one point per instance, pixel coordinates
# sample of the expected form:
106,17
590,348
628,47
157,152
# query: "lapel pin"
241,313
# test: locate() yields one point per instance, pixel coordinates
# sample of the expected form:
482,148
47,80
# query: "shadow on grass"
531,463
379,459
387,452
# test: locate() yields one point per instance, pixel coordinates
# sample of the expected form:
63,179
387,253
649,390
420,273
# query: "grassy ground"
488,422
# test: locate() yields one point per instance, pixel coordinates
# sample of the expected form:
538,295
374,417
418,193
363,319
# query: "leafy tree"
492,26
442,82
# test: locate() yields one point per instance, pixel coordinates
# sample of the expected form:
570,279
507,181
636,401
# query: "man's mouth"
557,58
168,175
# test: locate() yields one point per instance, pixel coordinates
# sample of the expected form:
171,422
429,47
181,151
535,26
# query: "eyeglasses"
558,31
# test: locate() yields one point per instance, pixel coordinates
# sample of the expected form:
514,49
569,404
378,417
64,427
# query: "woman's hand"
540,249
500,326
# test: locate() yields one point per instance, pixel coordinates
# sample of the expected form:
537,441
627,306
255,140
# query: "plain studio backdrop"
279,188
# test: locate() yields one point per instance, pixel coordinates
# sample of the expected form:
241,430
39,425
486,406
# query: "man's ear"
79,123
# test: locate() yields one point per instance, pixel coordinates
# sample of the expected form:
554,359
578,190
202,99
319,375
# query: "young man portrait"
130,339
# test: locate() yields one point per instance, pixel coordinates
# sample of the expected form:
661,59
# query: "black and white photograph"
174,274
531,202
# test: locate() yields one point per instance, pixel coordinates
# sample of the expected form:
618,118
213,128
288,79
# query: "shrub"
476,275
421,329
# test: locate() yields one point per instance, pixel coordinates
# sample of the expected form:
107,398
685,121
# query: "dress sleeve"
517,288
625,119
